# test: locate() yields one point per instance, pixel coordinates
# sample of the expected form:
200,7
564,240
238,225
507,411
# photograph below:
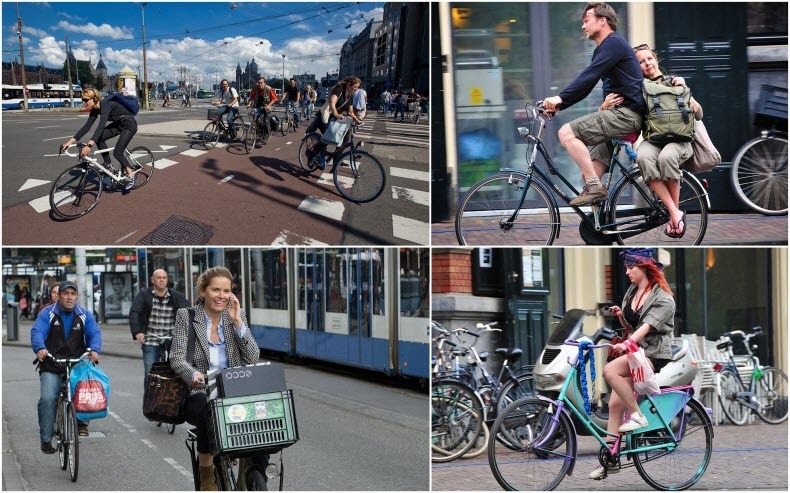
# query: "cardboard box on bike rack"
213,113
252,424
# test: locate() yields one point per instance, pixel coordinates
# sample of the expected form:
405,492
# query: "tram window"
337,280
414,272
269,281
378,281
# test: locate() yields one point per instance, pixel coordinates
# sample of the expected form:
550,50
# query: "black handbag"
166,394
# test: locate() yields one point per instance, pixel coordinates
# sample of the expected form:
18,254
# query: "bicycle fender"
550,192
690,177
573,429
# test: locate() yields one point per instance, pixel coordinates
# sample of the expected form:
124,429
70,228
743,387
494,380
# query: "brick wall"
452,272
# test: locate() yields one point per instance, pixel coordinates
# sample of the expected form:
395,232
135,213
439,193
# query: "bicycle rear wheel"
250,136
771,393
545,452
308,151
759,175
730,385
238,128
76,191
73,442
456,420
632,203
481,218
513,391
264,133
211,134
682,467
142,156
284,126
359,176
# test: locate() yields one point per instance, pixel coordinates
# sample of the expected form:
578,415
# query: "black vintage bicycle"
217,127
517,206
258,130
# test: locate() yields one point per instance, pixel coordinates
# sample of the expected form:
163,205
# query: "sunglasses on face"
85,100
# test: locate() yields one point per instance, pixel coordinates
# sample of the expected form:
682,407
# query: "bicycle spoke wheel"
359,176
483,215
255,481
238,128
456,420
250,136
264,134
171,428
308,151
683,466
639,223
771,393
730,386
284,124
545,452
76,192
211,135
512,391
74,443
145,158
759,175
63,450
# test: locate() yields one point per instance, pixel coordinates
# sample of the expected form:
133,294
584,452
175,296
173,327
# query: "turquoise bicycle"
671,453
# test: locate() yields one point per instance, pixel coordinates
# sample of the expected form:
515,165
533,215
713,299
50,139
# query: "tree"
100,83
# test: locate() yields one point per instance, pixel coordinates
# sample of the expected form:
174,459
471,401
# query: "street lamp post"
283,74
145,69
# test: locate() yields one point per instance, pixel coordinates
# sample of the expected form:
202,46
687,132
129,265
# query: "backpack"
128,102
669,114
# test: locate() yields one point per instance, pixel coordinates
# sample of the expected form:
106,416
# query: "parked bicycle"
517,206
66,427
765,393
164,355
759,173
217,127
77,190
258,130
358,175
671,453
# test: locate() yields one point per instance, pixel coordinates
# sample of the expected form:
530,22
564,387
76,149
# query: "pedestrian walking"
312,96
400,105
189,100
360,102
183,100
386,98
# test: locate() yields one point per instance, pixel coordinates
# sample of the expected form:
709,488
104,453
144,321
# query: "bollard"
12,322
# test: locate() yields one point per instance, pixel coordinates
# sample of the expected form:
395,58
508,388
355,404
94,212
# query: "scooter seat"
678,352
510,353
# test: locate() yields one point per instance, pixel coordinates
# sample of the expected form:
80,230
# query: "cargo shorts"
662,161
598,129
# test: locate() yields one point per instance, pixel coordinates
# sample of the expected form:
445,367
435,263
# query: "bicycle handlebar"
69,360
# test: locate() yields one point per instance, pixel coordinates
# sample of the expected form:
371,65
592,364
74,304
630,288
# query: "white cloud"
50,51
72,17
91,29
39,33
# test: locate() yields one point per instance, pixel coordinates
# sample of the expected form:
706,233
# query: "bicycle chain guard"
592,237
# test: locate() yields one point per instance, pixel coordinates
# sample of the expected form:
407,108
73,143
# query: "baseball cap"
68,284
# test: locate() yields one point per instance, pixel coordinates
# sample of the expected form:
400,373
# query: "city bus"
205,94
41,96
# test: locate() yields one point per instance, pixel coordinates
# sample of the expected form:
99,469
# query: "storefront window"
414,275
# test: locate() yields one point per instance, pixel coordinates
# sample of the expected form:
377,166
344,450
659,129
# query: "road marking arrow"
165,148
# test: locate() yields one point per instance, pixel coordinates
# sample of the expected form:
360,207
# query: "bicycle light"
272,471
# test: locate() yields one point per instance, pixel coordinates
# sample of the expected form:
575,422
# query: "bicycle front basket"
213,113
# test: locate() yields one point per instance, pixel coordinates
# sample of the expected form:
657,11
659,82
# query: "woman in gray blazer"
222,340
648,316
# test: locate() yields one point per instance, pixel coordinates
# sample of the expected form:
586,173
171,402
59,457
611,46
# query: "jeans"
400,107
231,112
309,110
290,106
386,107
150,356
47,404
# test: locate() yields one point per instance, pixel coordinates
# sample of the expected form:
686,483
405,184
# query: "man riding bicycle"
154,312
123,126
64,330
292,95
229,97
263,97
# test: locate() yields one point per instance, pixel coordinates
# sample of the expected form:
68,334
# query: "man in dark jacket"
64,330
615,64
154,313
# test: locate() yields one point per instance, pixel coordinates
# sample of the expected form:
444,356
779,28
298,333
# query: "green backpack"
669,114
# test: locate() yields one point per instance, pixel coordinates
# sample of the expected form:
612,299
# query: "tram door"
311,281
360,313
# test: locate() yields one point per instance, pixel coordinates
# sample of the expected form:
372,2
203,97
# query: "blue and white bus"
53,96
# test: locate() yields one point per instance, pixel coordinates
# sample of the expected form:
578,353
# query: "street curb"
110,353
12,475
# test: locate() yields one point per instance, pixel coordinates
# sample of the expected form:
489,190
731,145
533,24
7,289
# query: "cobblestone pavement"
750,457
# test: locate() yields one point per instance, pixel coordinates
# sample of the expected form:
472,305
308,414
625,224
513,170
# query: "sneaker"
590,193
635,422
598,472
47,448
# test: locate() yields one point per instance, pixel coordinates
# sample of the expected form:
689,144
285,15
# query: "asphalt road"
223,196
355,435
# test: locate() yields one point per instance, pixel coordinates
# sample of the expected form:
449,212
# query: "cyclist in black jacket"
123,126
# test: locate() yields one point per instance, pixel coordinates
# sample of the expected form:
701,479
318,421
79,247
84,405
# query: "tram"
41,96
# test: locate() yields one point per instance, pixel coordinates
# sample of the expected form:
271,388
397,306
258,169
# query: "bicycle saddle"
483,355
510,353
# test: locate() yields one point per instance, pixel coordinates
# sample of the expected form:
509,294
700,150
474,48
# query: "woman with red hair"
648,317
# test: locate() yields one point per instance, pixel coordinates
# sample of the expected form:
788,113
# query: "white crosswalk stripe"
410,229
416,196
410,174
290,238
327,208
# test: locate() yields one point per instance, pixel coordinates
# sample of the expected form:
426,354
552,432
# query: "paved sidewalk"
750,457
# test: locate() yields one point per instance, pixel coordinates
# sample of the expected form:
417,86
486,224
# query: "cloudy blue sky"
208,37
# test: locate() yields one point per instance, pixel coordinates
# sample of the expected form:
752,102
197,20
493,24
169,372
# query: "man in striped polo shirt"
154,312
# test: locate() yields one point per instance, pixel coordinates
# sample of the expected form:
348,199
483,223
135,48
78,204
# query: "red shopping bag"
89,396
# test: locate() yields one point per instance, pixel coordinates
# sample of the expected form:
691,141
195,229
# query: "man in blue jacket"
615,64
64,330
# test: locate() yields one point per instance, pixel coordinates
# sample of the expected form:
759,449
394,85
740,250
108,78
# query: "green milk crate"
254,423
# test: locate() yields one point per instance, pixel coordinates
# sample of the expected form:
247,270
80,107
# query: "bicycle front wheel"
771,393
483,215
60,435
308,151
641,218
681,467
759,175
143,157
284,126
456,420
250,136
211,135
73,442
545,451
255,480
730,385
238,127
359,176
75,192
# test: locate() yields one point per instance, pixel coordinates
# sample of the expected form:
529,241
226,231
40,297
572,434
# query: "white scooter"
552,367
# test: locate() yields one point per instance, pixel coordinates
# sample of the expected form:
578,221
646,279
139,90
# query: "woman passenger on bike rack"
340,106
647,316
660,164
222,340
123,126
